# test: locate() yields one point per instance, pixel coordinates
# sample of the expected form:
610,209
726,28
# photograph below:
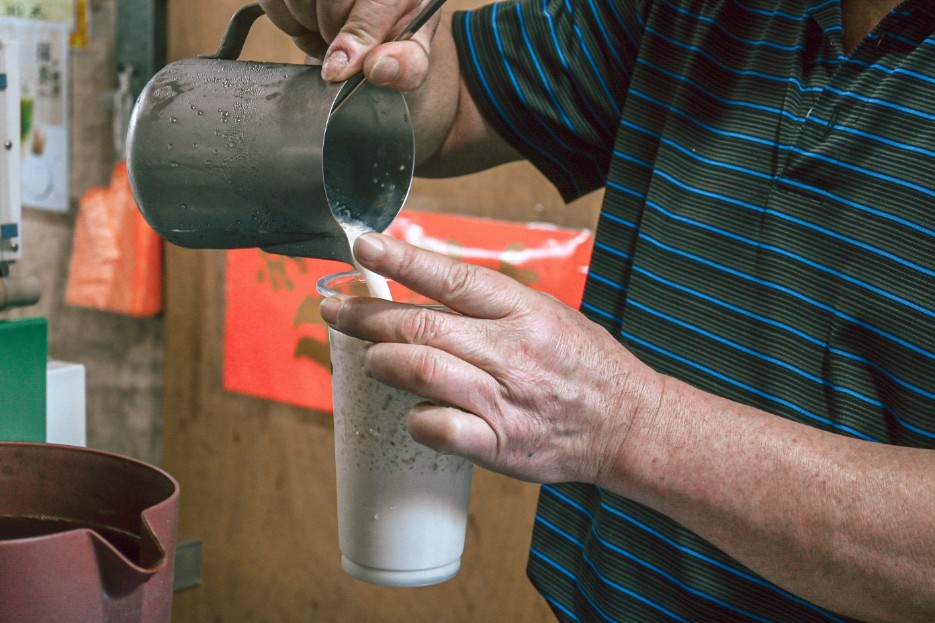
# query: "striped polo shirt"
767,235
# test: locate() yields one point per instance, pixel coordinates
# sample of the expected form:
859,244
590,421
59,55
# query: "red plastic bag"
116,259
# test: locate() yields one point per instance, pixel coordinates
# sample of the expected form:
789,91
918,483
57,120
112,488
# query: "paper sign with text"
58,11
44,110
275,342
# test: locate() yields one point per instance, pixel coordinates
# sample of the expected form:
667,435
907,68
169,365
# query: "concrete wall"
123,356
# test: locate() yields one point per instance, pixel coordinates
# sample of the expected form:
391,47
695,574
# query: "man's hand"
353,34
531,388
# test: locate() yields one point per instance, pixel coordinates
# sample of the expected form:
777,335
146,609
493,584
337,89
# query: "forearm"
846,524
452,137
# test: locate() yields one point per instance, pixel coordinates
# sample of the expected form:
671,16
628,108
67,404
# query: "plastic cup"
402,507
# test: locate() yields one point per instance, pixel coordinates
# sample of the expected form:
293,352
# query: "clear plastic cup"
402,507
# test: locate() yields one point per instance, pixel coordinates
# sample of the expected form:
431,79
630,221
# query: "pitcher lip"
146,533
102,541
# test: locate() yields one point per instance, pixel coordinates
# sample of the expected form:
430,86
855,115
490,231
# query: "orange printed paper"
275,343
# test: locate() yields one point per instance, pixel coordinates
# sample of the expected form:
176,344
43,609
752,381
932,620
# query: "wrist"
644,411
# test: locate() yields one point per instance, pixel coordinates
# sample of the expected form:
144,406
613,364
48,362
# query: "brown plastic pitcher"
85,536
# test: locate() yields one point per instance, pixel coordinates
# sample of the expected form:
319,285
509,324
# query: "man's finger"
464,288
312,44
452,431
462,340
282,17
434,374
304,12
400,65
369,23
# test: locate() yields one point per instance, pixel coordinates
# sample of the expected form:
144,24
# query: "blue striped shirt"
767,235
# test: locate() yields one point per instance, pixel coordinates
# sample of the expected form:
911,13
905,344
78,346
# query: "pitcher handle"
236,34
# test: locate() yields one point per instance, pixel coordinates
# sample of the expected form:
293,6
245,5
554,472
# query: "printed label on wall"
59,11
43,52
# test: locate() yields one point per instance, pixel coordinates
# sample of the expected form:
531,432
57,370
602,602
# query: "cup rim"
322,284
322,287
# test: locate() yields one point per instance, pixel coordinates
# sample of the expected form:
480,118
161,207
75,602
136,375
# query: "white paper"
60,11
44,95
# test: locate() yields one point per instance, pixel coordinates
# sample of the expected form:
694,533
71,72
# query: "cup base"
401,579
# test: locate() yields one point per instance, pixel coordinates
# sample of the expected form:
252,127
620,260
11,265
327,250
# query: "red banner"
275,343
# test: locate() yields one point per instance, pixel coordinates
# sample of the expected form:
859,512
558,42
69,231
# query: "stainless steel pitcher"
227,154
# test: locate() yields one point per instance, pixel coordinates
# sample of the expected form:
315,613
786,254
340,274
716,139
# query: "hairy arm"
844,523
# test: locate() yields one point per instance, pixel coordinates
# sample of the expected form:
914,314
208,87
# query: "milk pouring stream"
376,284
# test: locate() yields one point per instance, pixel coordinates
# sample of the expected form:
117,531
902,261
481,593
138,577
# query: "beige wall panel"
258,477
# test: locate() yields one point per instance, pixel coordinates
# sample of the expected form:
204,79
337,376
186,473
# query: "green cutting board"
23,354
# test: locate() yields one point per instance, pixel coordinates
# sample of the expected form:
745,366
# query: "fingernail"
368,247
334,64
329,309
384,70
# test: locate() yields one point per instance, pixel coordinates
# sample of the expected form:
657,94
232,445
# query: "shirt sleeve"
551,77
